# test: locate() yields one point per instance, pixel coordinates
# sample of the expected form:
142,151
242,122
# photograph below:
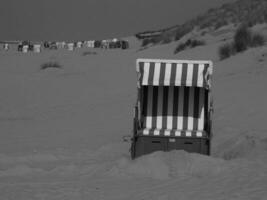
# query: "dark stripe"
144,102
162,73
139,105
143,98
175,106
196,110
173,73
170,105
160,103
191,107
165,106
172,133
194,133
204,134
183,134
184,74
175,100
154,106
206,102
149,103
149,100
141,69
195,74
151,73
151,132
186,109
165,100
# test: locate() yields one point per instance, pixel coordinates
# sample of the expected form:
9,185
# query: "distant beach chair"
36,48
79,44
6,46
173,108
20,46
104,44
53,46
46,45
25,48
91,44
70,46
124,44
97,44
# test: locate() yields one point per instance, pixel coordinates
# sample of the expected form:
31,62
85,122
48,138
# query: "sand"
61,129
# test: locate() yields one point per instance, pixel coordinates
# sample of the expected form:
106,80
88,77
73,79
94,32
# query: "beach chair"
36,48
174,107
6,47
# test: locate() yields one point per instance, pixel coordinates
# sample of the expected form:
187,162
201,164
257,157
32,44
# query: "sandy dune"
61,129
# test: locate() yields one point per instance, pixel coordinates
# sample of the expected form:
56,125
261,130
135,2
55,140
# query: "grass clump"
243,40
257,40
189,44
87,53
152,40
225,51
51,65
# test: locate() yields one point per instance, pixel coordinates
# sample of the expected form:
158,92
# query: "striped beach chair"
174,106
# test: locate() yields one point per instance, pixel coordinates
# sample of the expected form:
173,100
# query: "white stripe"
159,122
156,132
170,109
189,77
146,74
156,74
148,122
167,77
169,122
199,134
201,110
146,132
180,109
178,133
188,134
200,75
191,109
167,133
178,76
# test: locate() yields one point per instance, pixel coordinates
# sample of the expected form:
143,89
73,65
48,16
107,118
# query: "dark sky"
93,19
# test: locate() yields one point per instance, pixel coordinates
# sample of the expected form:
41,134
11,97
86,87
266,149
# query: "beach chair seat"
172,133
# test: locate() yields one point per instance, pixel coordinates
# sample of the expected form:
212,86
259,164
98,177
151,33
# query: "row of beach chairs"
27,46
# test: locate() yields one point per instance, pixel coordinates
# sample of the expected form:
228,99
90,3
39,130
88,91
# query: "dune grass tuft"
51,65
189,44
88,53
226,50
244,39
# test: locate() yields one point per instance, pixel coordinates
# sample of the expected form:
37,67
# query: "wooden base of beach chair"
143,145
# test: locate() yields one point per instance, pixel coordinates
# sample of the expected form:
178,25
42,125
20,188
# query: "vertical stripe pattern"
174,108
174,96
178,74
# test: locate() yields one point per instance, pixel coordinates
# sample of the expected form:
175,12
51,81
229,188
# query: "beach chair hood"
174,73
